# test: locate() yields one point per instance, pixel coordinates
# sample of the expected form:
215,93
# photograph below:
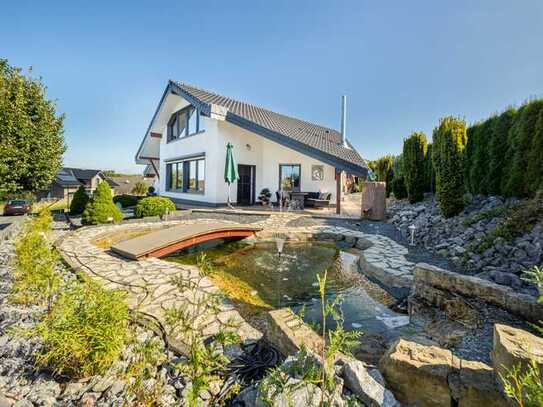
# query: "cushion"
323,195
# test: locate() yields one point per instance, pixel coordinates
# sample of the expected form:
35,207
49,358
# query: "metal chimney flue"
344,121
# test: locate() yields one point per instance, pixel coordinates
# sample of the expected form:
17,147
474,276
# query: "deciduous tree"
31,133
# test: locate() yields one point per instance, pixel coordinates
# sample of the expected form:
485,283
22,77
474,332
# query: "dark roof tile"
321,138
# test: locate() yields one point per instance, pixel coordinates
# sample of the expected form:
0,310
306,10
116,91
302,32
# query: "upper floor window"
184,122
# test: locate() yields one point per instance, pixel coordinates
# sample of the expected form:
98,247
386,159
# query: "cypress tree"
429,172
79,201
520,139
449,141
535,158
398,182
469,156
414,152
479,171
498,151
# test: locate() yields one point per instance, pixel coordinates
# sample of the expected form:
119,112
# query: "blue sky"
403,64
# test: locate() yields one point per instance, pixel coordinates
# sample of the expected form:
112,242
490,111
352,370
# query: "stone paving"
149,282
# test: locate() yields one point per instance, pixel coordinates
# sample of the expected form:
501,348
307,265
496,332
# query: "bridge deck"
165,241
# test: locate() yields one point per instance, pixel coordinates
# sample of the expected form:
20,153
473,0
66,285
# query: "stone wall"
435,285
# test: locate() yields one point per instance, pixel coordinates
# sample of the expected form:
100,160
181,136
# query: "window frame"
187,111
299,188
186,176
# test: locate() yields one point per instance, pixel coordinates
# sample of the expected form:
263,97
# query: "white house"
185,146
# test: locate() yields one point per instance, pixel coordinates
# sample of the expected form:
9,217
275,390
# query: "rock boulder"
513,346
367,384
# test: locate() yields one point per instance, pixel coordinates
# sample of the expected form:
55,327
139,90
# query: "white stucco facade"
248,148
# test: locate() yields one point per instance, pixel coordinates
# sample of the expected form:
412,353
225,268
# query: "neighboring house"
125,183
68,180
185,146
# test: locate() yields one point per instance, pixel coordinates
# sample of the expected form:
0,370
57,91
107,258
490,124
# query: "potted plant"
265,196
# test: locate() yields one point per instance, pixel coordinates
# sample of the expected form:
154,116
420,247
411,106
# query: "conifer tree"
101,208
449,142
79,201
520,141
498,151
414,152
535,158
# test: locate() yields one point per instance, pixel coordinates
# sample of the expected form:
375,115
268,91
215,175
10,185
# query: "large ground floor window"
186,176
289,177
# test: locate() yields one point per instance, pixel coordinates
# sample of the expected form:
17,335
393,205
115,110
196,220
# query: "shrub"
101,208
414,151
42,222
79,201
449,141
140,188
498,151
36,280
85,331
265,196
398,187
154,206
126,200
520,142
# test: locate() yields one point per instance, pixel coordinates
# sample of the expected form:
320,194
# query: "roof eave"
320,155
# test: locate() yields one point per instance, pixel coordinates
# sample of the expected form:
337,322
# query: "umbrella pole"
228,200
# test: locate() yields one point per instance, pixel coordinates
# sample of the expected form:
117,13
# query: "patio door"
246,184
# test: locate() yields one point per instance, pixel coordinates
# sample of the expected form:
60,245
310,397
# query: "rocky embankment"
464,239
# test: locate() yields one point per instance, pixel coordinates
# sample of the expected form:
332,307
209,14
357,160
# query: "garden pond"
257,278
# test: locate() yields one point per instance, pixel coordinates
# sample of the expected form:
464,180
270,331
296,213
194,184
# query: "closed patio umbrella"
230,170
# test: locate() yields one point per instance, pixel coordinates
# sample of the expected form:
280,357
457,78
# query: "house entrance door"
246,184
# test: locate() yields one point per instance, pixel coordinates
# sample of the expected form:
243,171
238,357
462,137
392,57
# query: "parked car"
17,207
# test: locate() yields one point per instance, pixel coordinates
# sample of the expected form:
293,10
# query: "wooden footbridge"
166,241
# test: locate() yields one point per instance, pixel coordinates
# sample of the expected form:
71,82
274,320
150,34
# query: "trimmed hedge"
448,154
534,175
101,208
154,206
498,151
414,152
79,201
521,136
429,172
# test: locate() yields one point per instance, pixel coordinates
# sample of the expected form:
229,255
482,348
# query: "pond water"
290,279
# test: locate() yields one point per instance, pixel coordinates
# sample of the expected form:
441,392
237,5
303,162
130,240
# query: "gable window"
184,122
186,176
289,177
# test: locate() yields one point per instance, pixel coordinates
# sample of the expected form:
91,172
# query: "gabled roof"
66,178
317,141
74,177
83,174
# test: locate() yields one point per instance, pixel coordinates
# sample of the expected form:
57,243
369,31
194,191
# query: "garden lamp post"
412,229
